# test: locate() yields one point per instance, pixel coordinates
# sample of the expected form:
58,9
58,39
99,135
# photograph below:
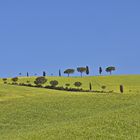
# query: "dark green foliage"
15,79
28,84
121,89
100,70
54,83
40,81
110,69
87,70
81,70
66,89
69,71
78,84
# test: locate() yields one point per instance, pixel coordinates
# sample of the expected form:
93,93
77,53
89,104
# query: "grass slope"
130,82
41,114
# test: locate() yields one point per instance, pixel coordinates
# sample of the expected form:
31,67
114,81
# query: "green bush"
78,84
15,79
67,85
54,83
5,80
40,81
103,87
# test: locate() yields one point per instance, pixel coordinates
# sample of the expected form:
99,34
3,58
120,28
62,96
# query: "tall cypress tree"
100,70
90,86
27,74
44,73
121,89
59,73
87,70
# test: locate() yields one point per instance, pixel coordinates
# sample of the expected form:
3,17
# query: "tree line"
40,81
86,70
81,70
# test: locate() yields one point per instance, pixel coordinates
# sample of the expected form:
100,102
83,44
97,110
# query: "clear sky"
48,35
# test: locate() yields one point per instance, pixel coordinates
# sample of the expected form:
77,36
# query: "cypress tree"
27,74
59,73
87,70
90,86
44,73
100,70
121,89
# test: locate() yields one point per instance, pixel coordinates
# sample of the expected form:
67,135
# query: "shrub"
15,79
103,87
67,85
40,81
78,84
5,80
28,81
54,83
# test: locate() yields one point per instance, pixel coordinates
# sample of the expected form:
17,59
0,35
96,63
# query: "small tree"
100,70
82,70
40,81
15,79
5,80
110,69
69,71
78,84
54,83
87,70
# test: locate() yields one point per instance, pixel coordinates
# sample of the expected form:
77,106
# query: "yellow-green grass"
41,114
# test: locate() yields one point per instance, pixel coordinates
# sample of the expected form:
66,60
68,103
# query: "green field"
41,114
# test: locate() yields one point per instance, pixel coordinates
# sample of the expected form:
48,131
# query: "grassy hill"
41,114
130,82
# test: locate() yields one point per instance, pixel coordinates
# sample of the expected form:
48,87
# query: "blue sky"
48,35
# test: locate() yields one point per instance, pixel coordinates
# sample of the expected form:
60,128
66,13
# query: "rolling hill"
28,113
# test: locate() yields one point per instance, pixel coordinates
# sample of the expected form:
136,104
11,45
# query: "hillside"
130,82
43,114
